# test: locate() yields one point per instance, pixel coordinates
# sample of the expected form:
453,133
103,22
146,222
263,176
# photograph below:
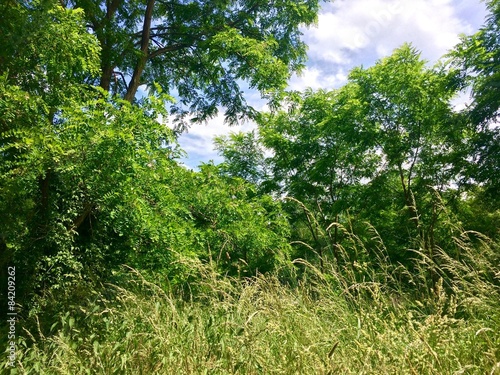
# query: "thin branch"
163,50
80,219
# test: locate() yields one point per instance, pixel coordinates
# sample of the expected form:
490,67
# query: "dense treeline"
388,148
352,197
89,179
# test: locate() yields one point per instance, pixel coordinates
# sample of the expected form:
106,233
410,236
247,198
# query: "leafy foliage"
244,156
364,187
476,60
199,50
89,181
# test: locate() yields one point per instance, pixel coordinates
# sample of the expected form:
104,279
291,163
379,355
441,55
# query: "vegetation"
355,231
316,323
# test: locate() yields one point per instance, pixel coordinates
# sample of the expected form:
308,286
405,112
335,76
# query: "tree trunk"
141,62
106,73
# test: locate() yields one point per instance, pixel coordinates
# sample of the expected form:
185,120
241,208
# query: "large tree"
88,180
378,148
477,61
200,50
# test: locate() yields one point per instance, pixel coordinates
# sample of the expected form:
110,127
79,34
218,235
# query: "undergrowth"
354,319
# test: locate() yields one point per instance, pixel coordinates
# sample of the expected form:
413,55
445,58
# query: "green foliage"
243,155
387,148
379,146
89,181
72,178
115,195
199,50
239,231
46,50
476,57
38,78
415,130
319,146
475,61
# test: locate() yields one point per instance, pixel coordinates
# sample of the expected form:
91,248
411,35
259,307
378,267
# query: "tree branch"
141,62
80,219
163,50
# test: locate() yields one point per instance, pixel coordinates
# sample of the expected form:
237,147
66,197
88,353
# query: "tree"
476,60
199,50
89,181
243,156
319,154
318,145
381,145
415,128
240,231
47,53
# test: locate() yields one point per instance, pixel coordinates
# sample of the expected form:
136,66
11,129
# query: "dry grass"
325,323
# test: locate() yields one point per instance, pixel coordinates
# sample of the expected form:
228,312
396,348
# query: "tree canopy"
387,148
201,51
476,59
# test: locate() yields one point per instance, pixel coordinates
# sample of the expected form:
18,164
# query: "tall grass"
353,319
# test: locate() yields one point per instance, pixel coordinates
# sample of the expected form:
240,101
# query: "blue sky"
351,33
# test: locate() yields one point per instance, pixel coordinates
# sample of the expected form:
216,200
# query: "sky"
351,33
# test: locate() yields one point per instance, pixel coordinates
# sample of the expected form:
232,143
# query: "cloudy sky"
350,33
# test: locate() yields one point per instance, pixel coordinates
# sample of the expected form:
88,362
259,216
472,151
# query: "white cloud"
198,141
349,26
432,26
316,78
358,32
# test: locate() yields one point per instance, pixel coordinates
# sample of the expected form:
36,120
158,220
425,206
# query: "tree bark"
80,219
141,61
99,27
106,73
410,204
